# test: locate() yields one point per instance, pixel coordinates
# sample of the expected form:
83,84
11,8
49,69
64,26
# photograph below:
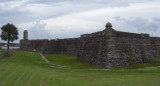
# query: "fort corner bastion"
107,49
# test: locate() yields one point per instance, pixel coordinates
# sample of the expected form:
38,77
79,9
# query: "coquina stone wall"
155,42
107,49
56,46
129,48
110,48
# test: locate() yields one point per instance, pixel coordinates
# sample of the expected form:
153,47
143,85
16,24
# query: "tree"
9,33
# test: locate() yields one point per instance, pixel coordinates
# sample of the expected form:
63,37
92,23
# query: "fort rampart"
107,49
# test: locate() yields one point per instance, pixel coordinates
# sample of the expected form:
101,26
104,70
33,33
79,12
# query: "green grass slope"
69,61
28,69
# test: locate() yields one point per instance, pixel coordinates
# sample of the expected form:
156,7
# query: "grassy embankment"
28,69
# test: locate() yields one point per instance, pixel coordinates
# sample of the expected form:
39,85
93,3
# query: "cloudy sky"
49,19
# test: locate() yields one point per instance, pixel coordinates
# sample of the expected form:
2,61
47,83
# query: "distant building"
25,35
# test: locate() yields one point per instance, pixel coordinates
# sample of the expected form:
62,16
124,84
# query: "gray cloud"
70,18
141,25
38,31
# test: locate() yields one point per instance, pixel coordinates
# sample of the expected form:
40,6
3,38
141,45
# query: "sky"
57,19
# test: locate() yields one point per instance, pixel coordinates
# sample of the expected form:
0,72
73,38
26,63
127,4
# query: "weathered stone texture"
111,48
93,49
121,50
155,42
57,46
107,49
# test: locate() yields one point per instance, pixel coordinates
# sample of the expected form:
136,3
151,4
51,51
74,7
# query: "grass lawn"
1,51
69,61
28,69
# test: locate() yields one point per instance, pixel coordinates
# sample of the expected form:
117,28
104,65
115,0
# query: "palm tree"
9,33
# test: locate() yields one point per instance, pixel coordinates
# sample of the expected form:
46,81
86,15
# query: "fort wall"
107,49
110,48
56,46
155,42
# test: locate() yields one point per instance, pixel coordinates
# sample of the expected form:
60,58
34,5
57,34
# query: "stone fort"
107,49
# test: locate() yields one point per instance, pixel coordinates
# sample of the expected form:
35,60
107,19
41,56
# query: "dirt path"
46,60
53,65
